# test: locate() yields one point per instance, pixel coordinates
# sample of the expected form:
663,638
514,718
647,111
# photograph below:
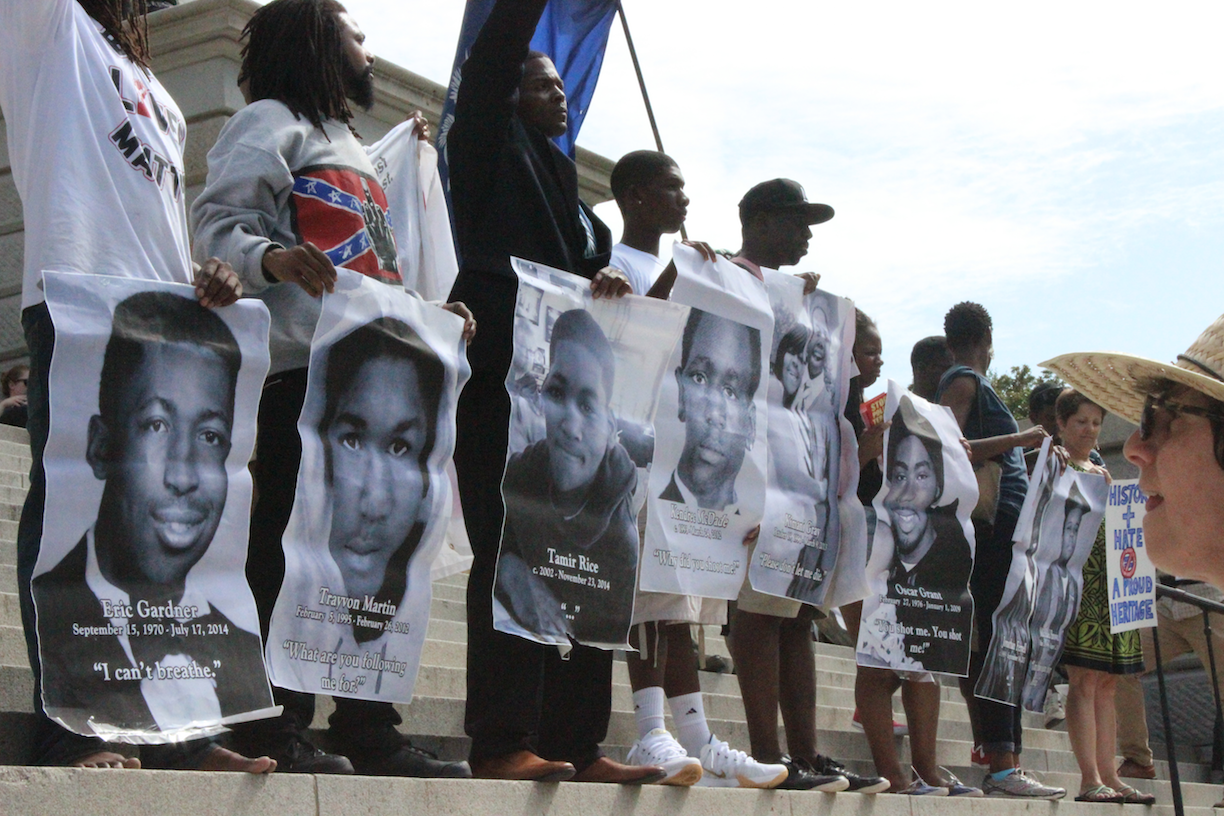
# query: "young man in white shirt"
649,190
96,145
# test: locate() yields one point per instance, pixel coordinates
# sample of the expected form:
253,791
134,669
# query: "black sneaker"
408,760
801,776
299,756
858,784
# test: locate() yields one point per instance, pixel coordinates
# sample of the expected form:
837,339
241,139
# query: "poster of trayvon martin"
373,497
707,486
1058,523
147,628
808,380
583,383
920,614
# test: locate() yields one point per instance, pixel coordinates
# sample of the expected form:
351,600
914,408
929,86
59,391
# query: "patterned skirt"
1089,643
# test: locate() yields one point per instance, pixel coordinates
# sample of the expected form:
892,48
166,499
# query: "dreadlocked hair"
294,53
125,25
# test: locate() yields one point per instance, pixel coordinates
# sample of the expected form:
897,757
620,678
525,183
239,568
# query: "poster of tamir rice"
1129,571
147,628
808,379
584,382
920,615
1058,524
707,486
373,496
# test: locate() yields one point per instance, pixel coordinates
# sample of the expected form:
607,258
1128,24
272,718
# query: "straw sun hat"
1120,382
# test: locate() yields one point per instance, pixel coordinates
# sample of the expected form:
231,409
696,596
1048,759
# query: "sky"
1062,164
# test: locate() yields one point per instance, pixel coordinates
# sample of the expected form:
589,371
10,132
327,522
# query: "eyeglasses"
1153,403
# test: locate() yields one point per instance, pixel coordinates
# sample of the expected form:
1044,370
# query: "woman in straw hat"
1179,446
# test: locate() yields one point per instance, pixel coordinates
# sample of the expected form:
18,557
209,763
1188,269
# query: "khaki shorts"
665,607
759,603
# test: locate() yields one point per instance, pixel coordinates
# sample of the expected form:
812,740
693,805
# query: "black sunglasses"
1154,403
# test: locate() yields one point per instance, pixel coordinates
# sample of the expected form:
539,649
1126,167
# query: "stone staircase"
435,720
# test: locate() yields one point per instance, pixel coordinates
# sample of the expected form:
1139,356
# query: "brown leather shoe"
524,766
1132,769
605,770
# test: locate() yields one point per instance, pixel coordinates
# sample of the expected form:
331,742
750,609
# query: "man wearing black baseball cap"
776,220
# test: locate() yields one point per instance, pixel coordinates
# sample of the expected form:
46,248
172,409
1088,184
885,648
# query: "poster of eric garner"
707,488
920,614
808,379
583,385
373,496
146,625
1129,571
1058,524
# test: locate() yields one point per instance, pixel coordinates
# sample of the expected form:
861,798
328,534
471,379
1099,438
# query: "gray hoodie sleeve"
244,208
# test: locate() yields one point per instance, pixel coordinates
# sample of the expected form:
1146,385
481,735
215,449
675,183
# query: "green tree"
1015,386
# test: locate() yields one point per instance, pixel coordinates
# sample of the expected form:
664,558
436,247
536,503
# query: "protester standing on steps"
304,65
530,713
78,98
996,443
649,190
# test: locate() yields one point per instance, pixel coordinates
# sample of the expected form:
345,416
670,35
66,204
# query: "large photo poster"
1058,523
583,385
920,614
809,377
147,628
373,495
707,486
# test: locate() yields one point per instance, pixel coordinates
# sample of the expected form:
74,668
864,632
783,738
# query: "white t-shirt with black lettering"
96,147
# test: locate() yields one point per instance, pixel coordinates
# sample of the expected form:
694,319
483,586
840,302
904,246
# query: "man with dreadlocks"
96,145
530,714
291,194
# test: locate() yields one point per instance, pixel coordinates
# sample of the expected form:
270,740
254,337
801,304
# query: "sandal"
1131,796
1101,794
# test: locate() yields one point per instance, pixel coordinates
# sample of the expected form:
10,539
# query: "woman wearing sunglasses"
1179,446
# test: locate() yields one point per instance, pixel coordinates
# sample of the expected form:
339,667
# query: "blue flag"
573,32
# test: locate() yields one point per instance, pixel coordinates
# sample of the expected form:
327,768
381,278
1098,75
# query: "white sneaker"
724,767
660,748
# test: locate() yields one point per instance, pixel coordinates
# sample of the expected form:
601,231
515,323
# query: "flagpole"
637,68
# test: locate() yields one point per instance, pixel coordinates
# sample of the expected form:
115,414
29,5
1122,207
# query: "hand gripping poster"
920,614
807,382
147,628
1059,521
707,487
373,496
583,386
1129,571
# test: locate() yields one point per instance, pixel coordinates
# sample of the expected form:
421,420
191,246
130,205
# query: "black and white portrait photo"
373,497
707,485
569,549
147,628
809,378
920,617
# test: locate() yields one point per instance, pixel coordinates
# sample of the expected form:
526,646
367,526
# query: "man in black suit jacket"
126,641
514,193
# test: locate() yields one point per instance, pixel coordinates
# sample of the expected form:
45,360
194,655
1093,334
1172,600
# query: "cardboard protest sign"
920,614
707,486
809,377
1129,570
583,387
373,495
147,628
1058,524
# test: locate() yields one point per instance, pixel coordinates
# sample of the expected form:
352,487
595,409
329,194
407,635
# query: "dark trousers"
999,724
521,695
278,453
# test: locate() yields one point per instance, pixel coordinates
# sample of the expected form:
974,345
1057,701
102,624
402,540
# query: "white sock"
692,731
648,709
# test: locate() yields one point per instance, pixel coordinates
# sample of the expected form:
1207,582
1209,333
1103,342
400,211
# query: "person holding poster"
93,204
1093,657
129,644
515,194
291,194
996,443
649,191
921,616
